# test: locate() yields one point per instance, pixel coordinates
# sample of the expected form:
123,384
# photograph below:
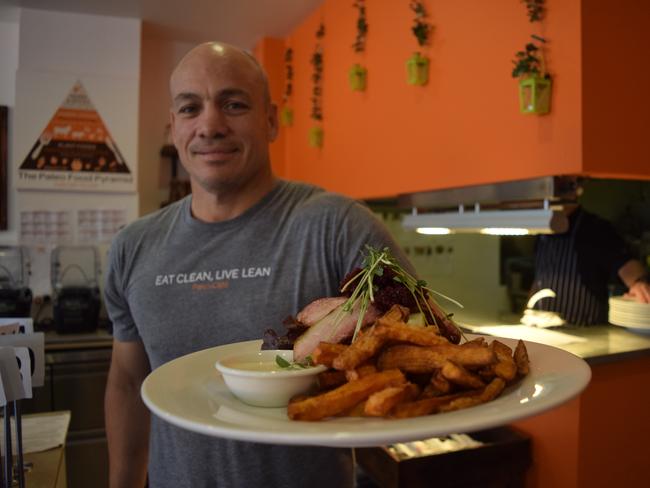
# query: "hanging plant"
316,132
357,75
421,28
534,80
286,115
362,27
535,9
417,66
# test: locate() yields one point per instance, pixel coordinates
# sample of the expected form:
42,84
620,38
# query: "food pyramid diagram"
76,139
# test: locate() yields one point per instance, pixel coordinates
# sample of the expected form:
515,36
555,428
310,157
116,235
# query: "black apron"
556,267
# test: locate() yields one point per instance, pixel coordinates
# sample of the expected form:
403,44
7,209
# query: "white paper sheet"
534,334
40,431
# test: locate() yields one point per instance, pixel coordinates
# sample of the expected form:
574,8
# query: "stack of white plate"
627,312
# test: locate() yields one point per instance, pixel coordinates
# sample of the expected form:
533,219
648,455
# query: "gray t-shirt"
182,285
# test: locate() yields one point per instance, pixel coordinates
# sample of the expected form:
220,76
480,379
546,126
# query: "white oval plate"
189,393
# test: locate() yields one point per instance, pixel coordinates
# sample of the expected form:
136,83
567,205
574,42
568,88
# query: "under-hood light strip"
508,222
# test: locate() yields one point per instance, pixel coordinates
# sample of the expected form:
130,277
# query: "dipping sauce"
255,366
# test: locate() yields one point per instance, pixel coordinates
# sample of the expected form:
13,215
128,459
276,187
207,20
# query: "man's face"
221,121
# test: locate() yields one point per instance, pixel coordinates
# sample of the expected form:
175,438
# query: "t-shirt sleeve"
360,227
117,306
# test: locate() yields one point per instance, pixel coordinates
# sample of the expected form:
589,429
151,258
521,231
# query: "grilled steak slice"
318,309
334,327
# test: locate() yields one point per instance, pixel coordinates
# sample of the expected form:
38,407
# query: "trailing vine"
288,63
317,75
535,9
362,27
421,28
530,61
286,114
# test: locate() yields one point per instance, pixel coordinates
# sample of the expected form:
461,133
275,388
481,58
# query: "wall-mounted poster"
75,151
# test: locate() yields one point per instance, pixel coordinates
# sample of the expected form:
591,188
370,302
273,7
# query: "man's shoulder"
311,198
152,223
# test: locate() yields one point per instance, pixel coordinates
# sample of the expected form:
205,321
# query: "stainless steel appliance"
15,294
75,288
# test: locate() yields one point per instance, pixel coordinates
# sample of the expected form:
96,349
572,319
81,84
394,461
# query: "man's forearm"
127,431
635,277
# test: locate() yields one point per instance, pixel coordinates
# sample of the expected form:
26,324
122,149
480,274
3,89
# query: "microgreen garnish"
284,364
374,264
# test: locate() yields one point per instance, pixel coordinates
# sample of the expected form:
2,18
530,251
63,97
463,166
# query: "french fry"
397,313
344,397
505,366
477,341
382,402
401,332
438,386
417,359
368,379
363,370
326,352
360,351
521,359
356,411
490,392
424,406
330,379
460,376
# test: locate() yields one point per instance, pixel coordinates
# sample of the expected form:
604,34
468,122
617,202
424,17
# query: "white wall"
55,50
464,267
158,59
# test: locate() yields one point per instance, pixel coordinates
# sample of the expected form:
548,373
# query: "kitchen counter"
604,343
76,371
99,338
600,437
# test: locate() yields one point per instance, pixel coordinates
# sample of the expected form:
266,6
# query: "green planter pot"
535,95
286,116
316,137
417,70
357,77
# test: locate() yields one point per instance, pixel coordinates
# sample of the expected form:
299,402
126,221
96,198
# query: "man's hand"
634,275
640,291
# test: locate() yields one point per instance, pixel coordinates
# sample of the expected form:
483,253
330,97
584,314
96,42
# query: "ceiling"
239,22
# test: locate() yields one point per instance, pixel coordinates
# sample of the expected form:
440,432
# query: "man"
299,240
578,264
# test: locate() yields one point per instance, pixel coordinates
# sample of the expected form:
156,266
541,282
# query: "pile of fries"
397,370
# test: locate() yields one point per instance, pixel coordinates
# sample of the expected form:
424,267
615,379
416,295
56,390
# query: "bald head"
220,56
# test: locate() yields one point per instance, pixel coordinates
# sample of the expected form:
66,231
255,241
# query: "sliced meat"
318,309
446,325
334,327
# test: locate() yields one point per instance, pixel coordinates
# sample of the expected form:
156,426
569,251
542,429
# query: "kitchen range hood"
521,207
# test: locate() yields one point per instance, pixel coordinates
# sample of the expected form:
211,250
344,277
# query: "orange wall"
464,127
556,445
598,439
616,87
270,53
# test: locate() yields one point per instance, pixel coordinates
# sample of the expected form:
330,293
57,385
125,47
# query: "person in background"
578,265
235,257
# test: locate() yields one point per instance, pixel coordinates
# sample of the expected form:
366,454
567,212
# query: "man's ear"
172,132
272,121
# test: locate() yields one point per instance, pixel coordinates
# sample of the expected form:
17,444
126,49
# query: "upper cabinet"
464,126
